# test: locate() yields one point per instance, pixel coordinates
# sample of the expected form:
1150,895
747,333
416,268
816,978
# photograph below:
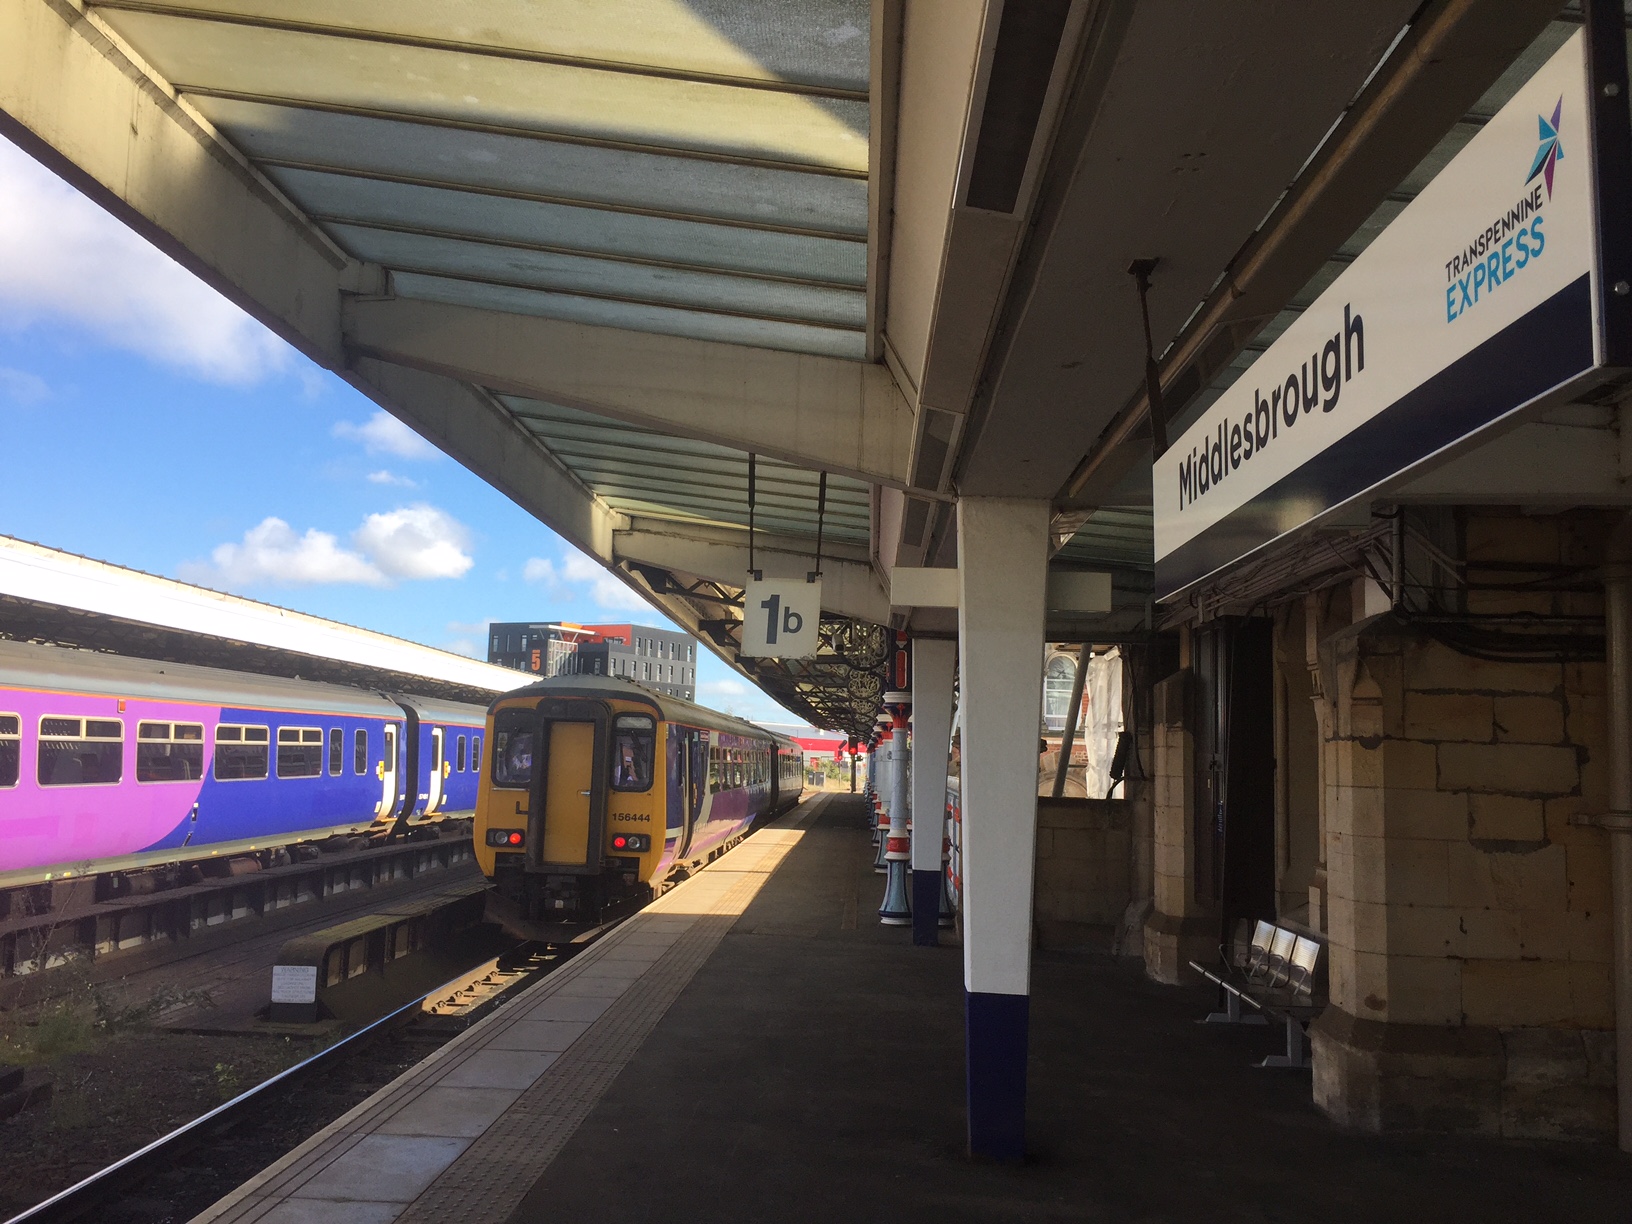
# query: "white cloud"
63,258
604,589
21,387
272,554
414,542
541,571
417,541
723,688
387,477
383,434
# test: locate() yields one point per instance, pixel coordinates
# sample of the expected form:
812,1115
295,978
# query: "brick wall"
1084,871
1469,919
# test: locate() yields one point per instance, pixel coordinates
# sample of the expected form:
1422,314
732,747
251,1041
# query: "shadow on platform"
812,1070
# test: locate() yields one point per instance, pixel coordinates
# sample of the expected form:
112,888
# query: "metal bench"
1274,971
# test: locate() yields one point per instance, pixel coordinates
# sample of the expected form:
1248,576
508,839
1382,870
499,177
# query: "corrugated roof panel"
637,282
815,43
697,324
588,103
338,198
538,168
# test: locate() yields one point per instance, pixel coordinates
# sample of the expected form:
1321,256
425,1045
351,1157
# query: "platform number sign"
781,619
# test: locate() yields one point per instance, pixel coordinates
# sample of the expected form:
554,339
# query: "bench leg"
1232,1013
1295,1057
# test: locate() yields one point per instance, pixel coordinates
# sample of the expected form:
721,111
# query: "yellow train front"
598,792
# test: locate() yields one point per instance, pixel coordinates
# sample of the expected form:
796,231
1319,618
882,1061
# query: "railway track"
164,1183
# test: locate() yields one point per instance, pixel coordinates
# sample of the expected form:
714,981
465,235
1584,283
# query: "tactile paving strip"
489,1178
488,1181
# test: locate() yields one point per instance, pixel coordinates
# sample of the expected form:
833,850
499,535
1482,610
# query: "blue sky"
145,420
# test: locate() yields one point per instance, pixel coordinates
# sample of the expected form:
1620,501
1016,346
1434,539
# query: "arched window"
1057,678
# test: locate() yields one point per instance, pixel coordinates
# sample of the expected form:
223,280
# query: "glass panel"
11,749
237,761
359,752
459,762
59,726
634,738
299,760
78,762
152,731
337,751
288,735
516,734
169,762
311,735
188,731
101,728
10,724
476,753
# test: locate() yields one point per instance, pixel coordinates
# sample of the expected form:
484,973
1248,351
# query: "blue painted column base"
926,908
995,1040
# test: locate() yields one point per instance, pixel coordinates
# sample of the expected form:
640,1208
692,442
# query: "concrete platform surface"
756,1047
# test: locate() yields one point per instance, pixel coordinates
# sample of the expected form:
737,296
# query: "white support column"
933,662
1003,573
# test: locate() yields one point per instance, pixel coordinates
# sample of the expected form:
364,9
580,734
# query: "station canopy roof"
694,169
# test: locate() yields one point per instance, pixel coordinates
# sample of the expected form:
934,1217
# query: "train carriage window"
169,752
515,734
459,756
359,751
634,738
241,753
11,749
337,752
300,752
476,754
81,751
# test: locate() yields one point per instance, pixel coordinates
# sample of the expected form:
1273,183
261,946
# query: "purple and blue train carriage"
115,763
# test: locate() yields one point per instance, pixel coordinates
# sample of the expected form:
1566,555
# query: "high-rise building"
658,659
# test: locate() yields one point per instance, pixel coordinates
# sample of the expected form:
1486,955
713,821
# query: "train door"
387,773
694,753
568,784
434,794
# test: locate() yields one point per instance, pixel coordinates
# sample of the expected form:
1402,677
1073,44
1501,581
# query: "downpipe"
1617,821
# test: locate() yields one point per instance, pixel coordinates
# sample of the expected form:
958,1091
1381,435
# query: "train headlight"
509,839
637,842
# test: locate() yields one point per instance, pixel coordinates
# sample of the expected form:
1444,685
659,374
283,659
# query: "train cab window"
241,753
359,751
300,752
169,752
459,756
81,751
634,737
337,752
11,749
515,734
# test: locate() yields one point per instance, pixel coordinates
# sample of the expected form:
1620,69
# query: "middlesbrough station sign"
1481,299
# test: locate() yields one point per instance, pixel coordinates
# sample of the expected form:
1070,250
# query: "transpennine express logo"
1513,241
1551,151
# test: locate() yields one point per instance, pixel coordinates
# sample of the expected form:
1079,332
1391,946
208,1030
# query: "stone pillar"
1003,570
933,662
1470,931
1180,929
